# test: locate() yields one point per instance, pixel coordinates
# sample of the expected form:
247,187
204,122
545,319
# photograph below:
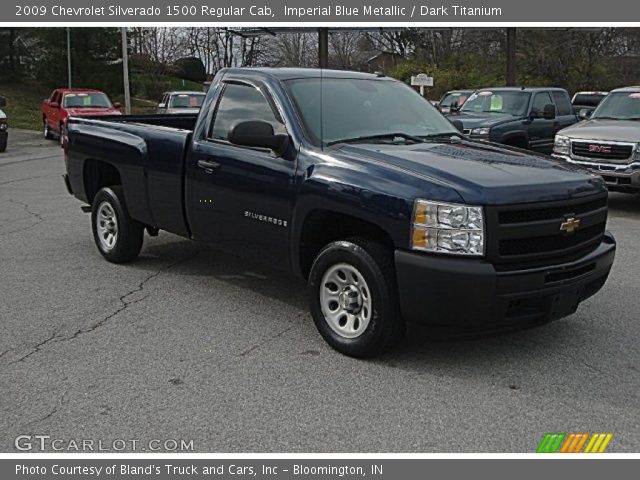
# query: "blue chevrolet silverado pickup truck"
360,186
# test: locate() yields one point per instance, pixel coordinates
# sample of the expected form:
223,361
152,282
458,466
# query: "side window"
57,97
165,100
539,101
241,103
563,105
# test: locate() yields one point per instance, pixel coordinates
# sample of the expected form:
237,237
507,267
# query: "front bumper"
615,175
471,293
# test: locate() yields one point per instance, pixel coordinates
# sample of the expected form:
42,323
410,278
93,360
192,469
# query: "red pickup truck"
67,102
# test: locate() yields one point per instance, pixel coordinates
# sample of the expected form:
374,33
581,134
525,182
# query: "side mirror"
3,102
162,105
54,104
458,124
549,112
584,113
259,134
117,105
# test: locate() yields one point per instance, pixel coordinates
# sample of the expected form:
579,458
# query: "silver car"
181,102
608,143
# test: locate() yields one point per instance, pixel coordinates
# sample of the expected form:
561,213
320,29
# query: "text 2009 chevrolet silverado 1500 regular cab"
357,184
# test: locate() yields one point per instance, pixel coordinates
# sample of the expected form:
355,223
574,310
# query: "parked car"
4,126
453,100
584,103
181,102
522,117
65,102
389,213
607,143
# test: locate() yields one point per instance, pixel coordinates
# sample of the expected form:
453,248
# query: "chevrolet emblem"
570,225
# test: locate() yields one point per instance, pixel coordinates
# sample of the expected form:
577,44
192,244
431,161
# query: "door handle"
208,165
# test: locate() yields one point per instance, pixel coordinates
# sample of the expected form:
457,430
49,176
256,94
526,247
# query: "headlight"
3,124
447,228
480,131
561,145
636,157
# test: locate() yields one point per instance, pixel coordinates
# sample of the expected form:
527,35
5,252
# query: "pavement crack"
264,342
17,180
125,302
36,348
38,218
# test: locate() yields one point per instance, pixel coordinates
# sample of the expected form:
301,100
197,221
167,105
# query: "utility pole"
323,47
125,72
69,57
511,56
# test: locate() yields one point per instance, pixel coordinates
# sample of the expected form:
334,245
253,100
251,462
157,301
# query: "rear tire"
3,145
117,236
354,297
47,131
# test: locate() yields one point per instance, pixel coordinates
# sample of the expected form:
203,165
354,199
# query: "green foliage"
464,72
23,103
190,68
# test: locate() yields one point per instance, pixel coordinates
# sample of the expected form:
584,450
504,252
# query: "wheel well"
516,141
97,175
322,227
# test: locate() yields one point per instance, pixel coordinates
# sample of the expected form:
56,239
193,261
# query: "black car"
522,117
4,127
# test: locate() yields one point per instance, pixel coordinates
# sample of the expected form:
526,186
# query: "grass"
23,103
24,100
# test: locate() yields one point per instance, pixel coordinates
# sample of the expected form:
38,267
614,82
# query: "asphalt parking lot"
190,343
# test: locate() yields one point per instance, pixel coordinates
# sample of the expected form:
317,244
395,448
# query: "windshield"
619,106
451,97
588,99
353,108
86,100
486,101
187,100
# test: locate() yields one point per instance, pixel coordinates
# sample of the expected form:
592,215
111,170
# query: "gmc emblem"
600,148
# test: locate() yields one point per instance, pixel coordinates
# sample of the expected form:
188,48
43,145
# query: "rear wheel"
47,130
354,299
117,236
3,144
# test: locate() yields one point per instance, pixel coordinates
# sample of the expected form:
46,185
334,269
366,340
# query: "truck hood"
2,115
484,174
92,112
481,120
616,130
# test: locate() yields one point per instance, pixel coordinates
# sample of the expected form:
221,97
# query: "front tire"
354,297
117,236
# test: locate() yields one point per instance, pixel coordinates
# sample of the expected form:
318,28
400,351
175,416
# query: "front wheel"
63,135
117,236
354,298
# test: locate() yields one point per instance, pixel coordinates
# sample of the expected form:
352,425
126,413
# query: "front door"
541,130
241,198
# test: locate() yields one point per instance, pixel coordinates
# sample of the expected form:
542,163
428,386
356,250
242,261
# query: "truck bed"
147,150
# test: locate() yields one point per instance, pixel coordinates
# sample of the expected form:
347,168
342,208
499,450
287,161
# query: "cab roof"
521,89
286,73
627,89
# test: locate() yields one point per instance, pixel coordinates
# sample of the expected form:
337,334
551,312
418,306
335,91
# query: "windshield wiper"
380,136
442,135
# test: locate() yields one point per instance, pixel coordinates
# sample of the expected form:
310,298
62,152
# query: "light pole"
69,57
125,72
